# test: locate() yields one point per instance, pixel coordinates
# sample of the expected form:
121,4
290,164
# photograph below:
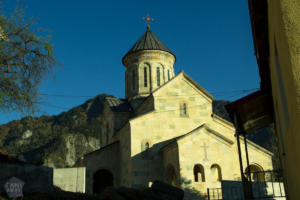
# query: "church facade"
165,130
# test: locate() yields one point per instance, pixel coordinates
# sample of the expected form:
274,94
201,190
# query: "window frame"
158,76
145,77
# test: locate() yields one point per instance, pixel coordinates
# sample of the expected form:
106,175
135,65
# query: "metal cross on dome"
148,19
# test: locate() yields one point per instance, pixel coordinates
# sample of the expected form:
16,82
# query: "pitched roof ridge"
145,36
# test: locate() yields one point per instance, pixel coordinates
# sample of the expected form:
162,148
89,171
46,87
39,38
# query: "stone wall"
70,179
106,158
36,178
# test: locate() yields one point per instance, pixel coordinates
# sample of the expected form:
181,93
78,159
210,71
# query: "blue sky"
212,42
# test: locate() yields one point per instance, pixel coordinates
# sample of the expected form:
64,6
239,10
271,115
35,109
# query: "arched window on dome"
126,81
145,77
107,132
133,79
158,76
168,74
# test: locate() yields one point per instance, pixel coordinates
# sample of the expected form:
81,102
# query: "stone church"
164,130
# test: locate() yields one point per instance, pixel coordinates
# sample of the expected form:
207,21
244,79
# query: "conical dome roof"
148,41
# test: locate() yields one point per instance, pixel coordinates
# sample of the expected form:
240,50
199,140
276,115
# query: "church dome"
148,41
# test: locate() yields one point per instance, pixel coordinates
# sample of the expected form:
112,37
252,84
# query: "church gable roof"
190,80
118,105
201,90
203,126
210,131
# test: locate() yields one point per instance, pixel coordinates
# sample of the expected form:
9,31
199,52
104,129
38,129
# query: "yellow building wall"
165,123
218,151
284,37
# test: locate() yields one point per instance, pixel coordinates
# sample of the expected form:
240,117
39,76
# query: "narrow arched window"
133,79
126,82
183,110
107,132
256,172
145,77
216,172
168,74
158,76
147,146
199,174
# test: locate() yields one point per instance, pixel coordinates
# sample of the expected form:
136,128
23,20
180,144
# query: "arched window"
147,146
183,110
216,172
168,74
126,81
107,132
199,174
158,76
256,173
145,77
133,79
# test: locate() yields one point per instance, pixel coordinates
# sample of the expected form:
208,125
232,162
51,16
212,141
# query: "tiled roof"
148,41
118,105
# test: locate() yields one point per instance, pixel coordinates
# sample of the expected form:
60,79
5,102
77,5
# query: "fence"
264,184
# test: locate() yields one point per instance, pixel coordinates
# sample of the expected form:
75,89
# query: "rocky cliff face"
55,141
59,141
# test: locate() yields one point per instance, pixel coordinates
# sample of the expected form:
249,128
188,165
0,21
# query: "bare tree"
26,58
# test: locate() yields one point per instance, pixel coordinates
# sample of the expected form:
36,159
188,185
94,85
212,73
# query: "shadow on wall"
151,165
189,192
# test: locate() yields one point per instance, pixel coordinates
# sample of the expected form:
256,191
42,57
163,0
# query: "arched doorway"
256,172
102,179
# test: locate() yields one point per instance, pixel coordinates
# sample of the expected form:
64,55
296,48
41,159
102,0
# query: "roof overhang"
258,10
256,110
253,111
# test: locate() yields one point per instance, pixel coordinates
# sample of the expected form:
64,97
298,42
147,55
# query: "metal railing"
232,193
265,185
214,193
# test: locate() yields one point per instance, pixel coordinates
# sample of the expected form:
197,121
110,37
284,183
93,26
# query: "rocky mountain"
55,141
59,141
